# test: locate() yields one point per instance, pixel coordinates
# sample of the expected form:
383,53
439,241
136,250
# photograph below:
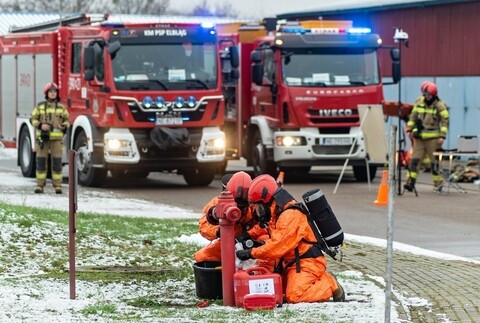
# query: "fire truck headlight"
113,144
147,102
214,146
289,141
218,143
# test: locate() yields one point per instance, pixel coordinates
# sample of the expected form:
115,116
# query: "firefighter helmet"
49,86
262,189
238,185
429,87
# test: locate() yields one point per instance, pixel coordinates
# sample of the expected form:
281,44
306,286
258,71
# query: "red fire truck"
142,97
295,104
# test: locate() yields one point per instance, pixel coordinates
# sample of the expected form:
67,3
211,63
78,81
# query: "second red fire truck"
295,103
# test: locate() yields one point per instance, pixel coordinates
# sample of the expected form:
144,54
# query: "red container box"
260,285
259,301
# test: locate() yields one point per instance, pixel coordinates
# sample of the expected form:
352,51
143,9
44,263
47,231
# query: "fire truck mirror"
88,58
235,74
396,73
89,74
395,54
256,56
114,47
257,74
234,59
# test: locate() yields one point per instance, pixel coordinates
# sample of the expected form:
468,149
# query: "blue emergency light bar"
359,30
301,30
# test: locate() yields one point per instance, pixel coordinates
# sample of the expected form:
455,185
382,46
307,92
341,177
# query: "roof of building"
350,6
12,19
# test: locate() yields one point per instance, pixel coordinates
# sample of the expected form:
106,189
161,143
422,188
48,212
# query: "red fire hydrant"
227,213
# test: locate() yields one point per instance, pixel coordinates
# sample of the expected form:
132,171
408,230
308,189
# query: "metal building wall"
443,47
444,40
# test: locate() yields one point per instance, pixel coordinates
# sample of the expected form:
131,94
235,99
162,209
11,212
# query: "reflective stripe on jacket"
52,113
434,118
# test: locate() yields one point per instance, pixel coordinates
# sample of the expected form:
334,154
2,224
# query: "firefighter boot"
339,293
410,184
438,185
40,186
38,189
57,186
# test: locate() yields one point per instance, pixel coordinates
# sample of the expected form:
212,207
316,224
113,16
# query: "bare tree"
223,9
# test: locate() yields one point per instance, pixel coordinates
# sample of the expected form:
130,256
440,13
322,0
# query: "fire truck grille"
333,150
316,118
149,151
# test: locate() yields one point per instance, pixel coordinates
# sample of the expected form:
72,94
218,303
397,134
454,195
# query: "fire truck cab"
297,96
142,97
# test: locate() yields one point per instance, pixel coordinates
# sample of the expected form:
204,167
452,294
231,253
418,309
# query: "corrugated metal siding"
444,39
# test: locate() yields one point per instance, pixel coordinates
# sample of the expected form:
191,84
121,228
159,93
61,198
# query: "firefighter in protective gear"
245,228
50,120
291,245
428,125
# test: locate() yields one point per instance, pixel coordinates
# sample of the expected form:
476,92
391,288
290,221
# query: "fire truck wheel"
26,157
87,174
360,172
199,177
259,158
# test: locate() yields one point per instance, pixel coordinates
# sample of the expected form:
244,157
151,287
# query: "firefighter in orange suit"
302,265
428,125
50,120
245,228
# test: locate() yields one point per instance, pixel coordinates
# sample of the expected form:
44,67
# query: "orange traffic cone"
382,196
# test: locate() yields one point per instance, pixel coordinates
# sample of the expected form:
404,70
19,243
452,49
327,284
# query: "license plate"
168,121
337,141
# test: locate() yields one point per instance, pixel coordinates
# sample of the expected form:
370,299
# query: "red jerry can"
257,288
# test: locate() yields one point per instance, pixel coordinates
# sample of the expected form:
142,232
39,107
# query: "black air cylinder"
323,217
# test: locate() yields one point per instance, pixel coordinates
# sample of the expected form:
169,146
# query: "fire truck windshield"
330,67
165,67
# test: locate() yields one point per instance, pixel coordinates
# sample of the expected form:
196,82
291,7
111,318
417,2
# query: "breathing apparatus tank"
324,220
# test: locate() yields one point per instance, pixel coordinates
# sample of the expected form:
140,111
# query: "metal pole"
72,208
400,139
391,196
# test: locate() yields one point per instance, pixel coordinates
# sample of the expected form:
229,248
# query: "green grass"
121,254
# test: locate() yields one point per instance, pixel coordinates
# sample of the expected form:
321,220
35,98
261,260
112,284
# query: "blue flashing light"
359,30
295,30
147,102
179,102
207,24
160,102
191,101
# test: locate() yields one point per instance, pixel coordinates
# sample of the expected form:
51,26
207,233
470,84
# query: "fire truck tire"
360,172
259,158
26,156
87,174
199,177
